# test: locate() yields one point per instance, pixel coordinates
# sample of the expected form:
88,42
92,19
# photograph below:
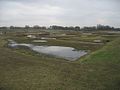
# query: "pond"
68,53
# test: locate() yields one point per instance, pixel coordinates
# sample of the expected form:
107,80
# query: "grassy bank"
98,71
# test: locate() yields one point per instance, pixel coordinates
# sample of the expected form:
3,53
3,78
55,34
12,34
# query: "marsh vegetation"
23,69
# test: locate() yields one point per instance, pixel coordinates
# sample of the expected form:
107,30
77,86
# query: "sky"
59,12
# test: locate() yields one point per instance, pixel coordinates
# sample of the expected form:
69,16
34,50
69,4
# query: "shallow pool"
68,53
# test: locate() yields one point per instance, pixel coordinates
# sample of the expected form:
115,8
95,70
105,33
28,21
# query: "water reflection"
68,53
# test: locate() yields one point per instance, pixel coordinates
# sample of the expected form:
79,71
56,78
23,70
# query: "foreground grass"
98,71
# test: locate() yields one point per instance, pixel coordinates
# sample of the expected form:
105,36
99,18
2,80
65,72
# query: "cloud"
59,12
21,12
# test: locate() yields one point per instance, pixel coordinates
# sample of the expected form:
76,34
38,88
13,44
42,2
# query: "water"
39,41
68,53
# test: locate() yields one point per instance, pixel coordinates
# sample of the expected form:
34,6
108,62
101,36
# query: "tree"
77,28
12,27
27,26
36,27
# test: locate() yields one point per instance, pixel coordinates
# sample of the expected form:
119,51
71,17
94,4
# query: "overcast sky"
59,12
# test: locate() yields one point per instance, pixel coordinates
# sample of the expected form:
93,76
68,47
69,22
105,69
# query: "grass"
107,64
62,42
24,71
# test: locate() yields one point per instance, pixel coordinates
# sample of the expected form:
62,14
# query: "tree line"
55,27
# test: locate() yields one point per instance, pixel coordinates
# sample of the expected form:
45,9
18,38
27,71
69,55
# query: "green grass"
20,70
106,65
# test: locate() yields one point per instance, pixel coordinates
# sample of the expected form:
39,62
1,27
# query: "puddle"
68,53
44,38
42,41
